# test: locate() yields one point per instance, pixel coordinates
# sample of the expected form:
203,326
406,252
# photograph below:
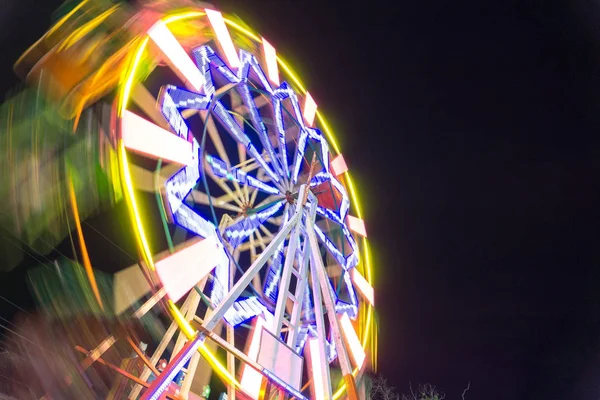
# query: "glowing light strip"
338,165
317,373
300,149
238,134
310,109
218,25
363,286
220,169
271,61
243,310
356,225
241,230
278,381
251,379
144,137
164,39
356,350
180,271
82,246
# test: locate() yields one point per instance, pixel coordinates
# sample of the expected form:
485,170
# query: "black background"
471,129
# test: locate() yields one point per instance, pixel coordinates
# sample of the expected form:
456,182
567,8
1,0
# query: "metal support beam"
284,284
322,335
254,269
318,269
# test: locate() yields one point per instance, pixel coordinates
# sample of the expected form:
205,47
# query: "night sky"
471,130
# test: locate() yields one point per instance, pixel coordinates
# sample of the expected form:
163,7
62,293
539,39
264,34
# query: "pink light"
310,109
338,165
180,271
356,350
356,225
363,286
252,379
168,44
218,25
271,61
144,137
314,355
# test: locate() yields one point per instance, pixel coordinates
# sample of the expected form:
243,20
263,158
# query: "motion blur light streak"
164,39
182,270
271,61
356,350
310,109
252,379
144,137
84,253
218,24
363,286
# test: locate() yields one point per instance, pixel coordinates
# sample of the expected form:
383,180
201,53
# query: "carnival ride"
262,260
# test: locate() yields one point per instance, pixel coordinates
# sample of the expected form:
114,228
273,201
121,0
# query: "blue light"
185,100
166,380
241,230
220,169
279,382
243,310
173,116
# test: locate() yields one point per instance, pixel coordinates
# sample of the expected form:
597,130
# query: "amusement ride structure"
261,260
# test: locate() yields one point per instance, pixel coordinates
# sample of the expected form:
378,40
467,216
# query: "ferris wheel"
262,253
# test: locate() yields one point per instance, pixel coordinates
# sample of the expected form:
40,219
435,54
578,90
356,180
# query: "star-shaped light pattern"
281,178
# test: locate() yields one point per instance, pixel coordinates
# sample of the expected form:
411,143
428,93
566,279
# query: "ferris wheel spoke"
254,269
158,353
267,233
256,280
238,134
288,267
202,198
259,126
261,239
257,242
241,230
221,183
146,101
213,133
220,170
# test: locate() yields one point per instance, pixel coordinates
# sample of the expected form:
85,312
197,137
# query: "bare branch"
466,390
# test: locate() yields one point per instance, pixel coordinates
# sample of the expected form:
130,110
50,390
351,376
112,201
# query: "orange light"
142,136
87,265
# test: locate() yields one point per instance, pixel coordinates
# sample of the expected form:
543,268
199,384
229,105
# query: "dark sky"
471,129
